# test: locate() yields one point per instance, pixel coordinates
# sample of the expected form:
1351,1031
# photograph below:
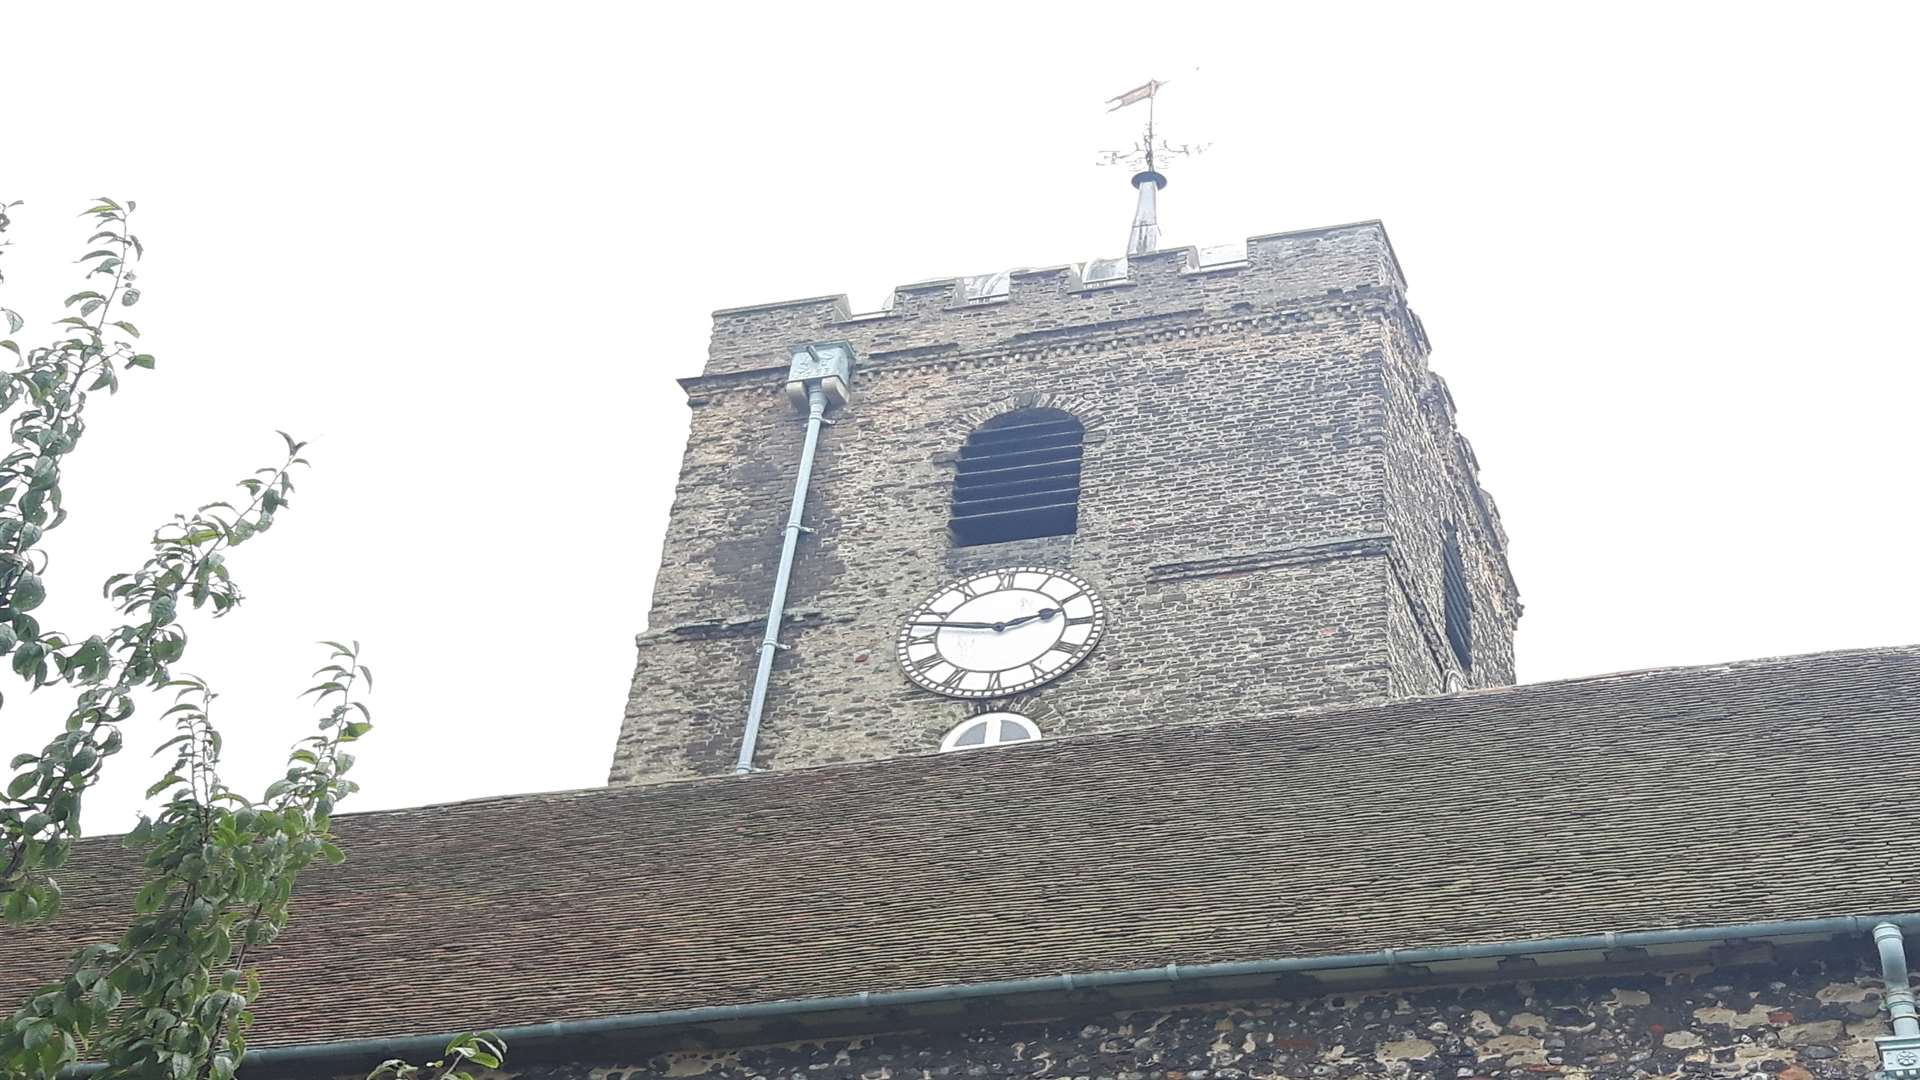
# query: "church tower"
1176,486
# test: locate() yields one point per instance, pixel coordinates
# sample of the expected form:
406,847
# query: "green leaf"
28,658
14,321
22,784
79,296
142,360
131,329
28,592
173,742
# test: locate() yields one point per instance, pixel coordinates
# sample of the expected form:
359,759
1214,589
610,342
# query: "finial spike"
1144,239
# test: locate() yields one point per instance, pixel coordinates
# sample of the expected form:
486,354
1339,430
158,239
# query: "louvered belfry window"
1459,602
1019,477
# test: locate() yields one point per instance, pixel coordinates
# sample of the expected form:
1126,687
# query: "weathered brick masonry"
1269,469
1794,1014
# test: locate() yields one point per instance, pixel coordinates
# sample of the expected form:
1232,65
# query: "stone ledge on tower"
1274,271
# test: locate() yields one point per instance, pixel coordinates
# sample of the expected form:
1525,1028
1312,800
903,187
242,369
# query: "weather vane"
1144,237
1140,155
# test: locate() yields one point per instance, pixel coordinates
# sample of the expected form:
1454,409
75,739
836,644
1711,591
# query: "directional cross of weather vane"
1141,154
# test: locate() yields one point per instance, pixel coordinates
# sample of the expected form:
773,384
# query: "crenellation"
1268,273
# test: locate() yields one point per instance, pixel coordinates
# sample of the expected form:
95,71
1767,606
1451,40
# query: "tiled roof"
1684,797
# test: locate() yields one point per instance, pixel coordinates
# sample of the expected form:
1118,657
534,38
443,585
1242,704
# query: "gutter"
418,1047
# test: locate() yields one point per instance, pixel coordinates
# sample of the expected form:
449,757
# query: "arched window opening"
990,729
1019,478
1459,601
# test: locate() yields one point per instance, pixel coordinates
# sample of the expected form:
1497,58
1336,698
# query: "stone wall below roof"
1811,1015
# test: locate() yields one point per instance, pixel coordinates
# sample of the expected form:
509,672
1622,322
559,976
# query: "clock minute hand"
1043,613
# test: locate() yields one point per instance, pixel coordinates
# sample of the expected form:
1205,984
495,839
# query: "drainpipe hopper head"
829,364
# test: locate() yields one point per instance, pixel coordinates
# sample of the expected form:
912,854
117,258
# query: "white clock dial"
1000,632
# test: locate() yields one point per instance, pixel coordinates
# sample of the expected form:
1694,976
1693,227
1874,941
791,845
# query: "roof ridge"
1631,675
563,795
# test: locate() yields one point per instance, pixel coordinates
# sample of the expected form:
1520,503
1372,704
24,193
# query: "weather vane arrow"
1143,92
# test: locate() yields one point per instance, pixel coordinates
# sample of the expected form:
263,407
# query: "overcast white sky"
1664,253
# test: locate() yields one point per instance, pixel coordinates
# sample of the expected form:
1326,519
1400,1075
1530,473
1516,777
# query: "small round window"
990,729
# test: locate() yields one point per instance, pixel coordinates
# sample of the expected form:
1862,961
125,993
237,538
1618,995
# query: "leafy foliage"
465,1053
172,999
221,869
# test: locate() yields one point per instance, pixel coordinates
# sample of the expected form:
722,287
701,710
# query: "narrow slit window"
1019,477
1458,600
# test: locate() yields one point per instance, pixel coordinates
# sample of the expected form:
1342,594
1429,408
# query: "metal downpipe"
777,609
1893,970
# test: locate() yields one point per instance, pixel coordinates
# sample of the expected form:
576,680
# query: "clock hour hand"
1043,613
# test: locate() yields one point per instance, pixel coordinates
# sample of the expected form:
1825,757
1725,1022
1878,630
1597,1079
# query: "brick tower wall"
1266,463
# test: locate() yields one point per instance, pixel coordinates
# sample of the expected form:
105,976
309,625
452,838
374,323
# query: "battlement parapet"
1271,272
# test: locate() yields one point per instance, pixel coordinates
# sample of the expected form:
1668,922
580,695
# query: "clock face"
1001,632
